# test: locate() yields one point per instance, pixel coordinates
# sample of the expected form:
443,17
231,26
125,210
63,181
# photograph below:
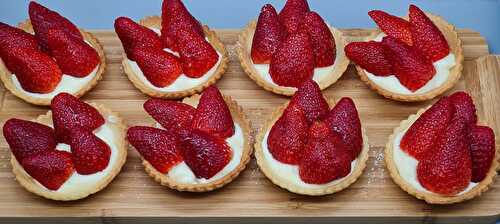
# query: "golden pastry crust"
240,118
5,74
455,44
119,130
430,197
244,48
278,179
155,22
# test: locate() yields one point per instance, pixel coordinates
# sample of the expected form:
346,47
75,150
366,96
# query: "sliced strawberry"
205,154
51,168
292,14
69,113
322,41
176,17
344,119
370,56
392,26
159,147
411,68
133,35
12,38
309,98
293,62
44,19
171,115
325,156
74,56
426,35
464,106
89,153
288,136
447,169
482,145
161,68
268,36
422,134
26,138
212,114
197,54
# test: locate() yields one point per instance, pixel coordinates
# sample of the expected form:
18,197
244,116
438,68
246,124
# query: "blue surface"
479,15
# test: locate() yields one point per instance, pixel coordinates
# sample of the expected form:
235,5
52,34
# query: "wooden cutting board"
134,194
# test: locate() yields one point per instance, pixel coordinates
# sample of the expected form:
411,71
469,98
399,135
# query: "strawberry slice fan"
280,51
414,58
48,55
307,148
73,151
197,145
171,56
443,154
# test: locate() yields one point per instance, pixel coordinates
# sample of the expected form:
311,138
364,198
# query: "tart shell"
155,21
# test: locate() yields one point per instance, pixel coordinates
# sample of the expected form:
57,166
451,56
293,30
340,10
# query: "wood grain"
133,193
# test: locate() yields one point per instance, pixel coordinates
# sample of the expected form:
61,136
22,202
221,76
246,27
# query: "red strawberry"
291,15
171,115
69,113
293,62
160,148
464,106
447,169
205,154
392,26
197,54
44,19
133,35
212,115
161,68
288,136
26,138
13,37
422,134
51,169
344,119
325,156
90,154
322,41
268,36
370,56
176,17
482,145
74,56
426,36
411,68
309,98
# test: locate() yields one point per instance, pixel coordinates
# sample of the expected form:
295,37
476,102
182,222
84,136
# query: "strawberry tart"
48,55
74,150
409,59
173,56
197,145
309,149
281,50
442,154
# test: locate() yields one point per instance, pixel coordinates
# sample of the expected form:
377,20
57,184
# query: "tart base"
244,48
155,21
278,179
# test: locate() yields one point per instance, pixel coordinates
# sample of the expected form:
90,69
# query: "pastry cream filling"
290,173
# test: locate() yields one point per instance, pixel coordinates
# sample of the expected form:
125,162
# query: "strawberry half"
370,56
482,145
133,35
176,17
74,56
321,37
464,107
161,68
392,26
51,169
12,38
325,156
268,36
26,138
422,134
292,14
212,114
172,115
293,62
160,148
309,98
89,153
197,54
411,68
288,136
69,113
426,35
